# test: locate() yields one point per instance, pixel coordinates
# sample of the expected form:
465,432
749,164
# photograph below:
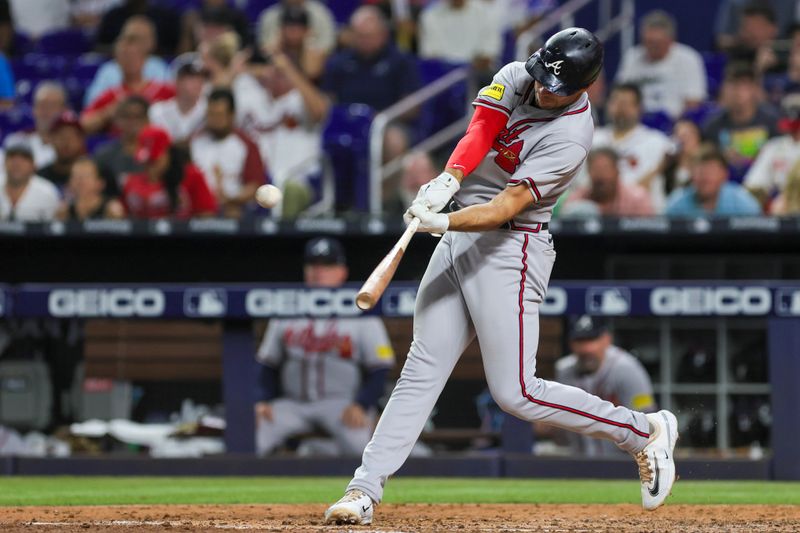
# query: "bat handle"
402,243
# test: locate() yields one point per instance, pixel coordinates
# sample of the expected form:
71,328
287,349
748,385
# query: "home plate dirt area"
545,518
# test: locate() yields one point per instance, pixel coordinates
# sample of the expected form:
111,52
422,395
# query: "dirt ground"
410,518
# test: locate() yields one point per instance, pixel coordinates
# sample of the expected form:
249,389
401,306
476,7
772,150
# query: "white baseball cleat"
354,508
656,462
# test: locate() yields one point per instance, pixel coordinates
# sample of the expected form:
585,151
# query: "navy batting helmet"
569,61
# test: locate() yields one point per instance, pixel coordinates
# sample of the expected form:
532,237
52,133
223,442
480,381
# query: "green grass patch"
16,491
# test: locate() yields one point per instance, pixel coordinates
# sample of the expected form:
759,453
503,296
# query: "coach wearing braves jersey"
531,131
331,372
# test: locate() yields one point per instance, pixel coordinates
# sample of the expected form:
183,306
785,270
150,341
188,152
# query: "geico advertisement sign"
106,302
722,301
293,302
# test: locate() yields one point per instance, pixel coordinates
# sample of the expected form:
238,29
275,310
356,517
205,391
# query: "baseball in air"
268,196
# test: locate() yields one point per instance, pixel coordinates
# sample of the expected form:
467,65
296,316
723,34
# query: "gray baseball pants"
488,284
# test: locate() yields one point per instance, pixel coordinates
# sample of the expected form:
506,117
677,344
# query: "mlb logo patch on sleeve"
494,90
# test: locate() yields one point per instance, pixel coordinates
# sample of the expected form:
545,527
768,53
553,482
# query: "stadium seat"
342,9
445,108
715,71
72,42
255,7
18,118
658,120
22,44
345,139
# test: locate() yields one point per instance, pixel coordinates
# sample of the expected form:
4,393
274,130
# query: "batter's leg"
442,330
288,418
504,301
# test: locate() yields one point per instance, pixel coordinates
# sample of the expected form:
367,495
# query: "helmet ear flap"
536,57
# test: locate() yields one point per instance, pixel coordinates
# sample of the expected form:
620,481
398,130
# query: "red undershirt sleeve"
484,127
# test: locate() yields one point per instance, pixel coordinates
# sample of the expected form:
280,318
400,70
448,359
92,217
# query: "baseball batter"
531,131
331,372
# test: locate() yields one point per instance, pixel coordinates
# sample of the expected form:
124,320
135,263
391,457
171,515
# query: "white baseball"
268,196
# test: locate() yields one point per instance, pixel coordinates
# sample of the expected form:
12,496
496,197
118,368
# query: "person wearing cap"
228,158
69,142
213,18
170,186
184,114
292,41
331,372
25,196
288,129
116,158
767,176
322,26
605,370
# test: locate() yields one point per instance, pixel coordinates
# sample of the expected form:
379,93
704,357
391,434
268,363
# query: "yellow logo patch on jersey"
385,352
495,90
640,401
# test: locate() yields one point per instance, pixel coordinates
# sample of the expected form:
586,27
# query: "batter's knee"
516,401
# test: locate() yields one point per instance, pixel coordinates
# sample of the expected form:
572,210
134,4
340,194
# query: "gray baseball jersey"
321,359
321,363
539,149
621,379
491,284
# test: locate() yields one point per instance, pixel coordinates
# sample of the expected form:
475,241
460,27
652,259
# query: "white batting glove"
437,193
436,223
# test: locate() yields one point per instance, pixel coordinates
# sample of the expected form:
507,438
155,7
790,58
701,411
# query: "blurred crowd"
182,108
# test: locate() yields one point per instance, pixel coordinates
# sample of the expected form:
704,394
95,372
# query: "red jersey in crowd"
153,91
144,198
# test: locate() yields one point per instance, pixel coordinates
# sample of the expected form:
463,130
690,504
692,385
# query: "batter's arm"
482,217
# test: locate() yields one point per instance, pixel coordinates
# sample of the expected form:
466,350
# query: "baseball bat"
372,289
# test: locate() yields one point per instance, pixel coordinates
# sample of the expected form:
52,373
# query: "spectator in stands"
787,203
35,18
170,186
601,368
780,84
418,169
744,122
641,149
49,102
130,52
165,19
755,36
183,115
292,41
710,192
69,142
776,159
373,72
86,198
687,139
226,66
728,23
606,194
7,33
322,34
289,131
24,195
116,159
228,158
214,17
461,31
109,75
671,75
347,359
